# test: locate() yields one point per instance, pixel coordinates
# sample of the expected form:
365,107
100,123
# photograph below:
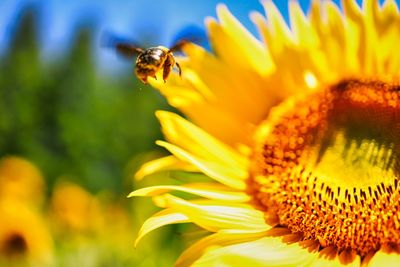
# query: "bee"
152,60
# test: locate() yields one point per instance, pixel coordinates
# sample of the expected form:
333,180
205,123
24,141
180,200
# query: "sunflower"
73,209
24,237
21,181
299,136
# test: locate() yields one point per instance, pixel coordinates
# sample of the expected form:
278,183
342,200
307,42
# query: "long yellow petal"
217,217
263,252
163,164
291,52
190,137
302,29
223,174
221,238
211,191
278,34
251,48
326,19
355,56
164,217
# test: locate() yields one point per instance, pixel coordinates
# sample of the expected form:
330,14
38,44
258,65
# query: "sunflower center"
14,245
328,165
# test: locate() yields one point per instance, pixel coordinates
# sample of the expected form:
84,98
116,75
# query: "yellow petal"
221,238
222,77
164,217
219,119
354,36
178,93
292,52
221,123
163,164
193,139
223,46
277,35
381,259
312,59
267,251
217,217
305,34
211,191
223,174
326,18
389,13
251,48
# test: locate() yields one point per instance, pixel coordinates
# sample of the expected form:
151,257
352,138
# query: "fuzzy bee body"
152,60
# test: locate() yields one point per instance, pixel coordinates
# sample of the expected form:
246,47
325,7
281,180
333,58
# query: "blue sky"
164,17
138,19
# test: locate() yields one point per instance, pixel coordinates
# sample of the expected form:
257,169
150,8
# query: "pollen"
327,165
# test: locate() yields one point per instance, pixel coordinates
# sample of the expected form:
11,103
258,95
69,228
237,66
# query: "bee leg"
167,69
179,69
143,79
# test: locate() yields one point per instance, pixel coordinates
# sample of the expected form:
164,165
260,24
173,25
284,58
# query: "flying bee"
151,60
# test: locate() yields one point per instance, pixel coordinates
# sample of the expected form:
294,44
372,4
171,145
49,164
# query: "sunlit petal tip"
277,32
257,17
296,13
390,6
160,114
257,55
210,22
161,200
270,7
139,193
162,218
226,17
149,168
351,7
162,164
222,10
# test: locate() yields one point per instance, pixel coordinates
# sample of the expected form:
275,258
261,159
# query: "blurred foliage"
68,118
73,227
87,133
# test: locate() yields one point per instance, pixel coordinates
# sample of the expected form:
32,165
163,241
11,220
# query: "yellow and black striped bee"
151,60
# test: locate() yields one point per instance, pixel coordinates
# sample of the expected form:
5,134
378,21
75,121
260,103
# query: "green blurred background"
68,118
79,126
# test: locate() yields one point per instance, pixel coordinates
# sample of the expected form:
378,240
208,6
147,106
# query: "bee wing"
128,50
189,34
123,47
178,45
